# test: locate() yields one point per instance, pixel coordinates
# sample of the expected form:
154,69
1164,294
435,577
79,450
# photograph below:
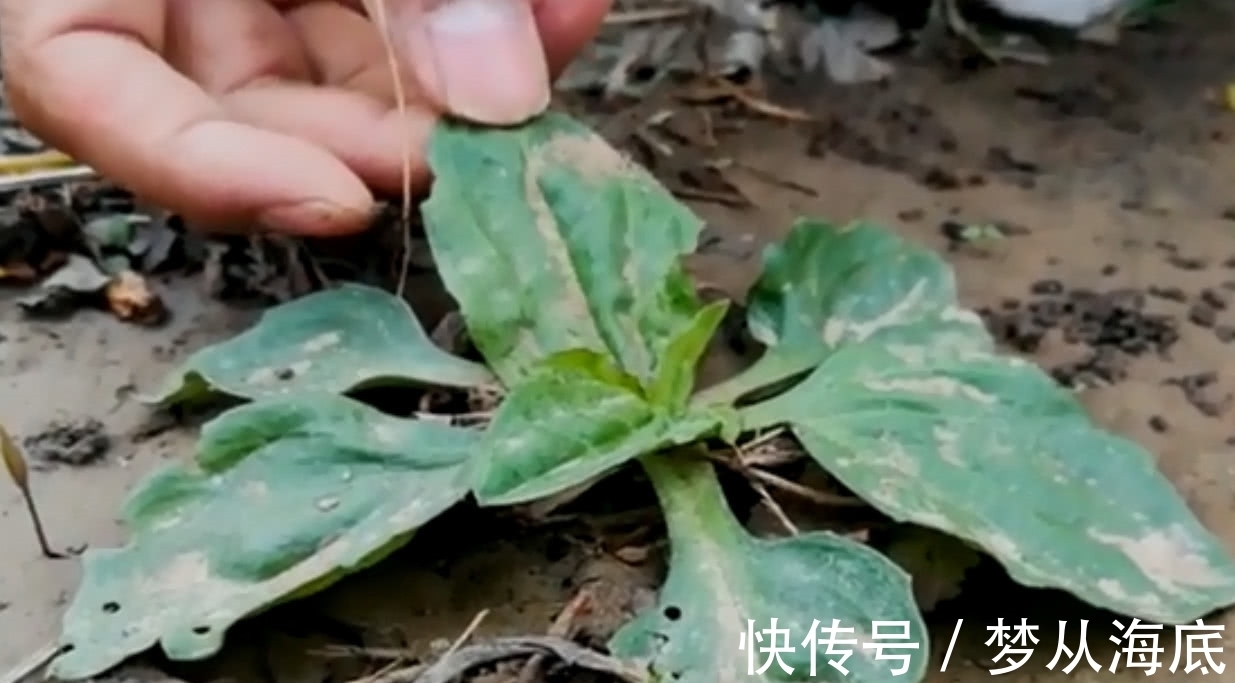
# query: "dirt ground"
1110,170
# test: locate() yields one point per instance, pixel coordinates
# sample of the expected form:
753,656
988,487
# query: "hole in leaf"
673,613
201,630
643,73
111,607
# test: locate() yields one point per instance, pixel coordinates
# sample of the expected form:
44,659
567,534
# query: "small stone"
1169,293
1225,333
1047,287
1109,269
1184,263
1158,424
1202,315
939,179
1213,299
954,231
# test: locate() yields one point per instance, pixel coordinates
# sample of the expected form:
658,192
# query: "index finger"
88,78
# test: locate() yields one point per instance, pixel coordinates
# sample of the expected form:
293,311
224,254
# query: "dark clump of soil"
68,442
1113,325
1198,391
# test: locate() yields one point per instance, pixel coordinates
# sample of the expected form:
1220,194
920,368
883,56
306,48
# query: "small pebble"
1047,287
1158,424
1213,299
1202,315
1225,333
1109,270
1168,293
1186,263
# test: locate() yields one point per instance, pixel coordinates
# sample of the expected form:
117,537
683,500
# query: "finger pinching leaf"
737,608
286,496
920,417
333,341
551,241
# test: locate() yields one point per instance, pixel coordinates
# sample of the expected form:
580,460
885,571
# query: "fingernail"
482,59
315,217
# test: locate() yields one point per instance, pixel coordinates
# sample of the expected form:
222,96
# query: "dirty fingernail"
315,217
481,59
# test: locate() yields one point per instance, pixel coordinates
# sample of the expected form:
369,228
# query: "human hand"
275,114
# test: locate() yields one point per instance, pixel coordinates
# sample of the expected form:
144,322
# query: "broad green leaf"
992,450
825,286
331,341
675,380
287,496
723,581
550,240
566,425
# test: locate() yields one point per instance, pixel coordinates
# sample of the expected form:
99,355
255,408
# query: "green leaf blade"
826,286
332,341
991,450
551,241
288,496
675,377
562,427
721,580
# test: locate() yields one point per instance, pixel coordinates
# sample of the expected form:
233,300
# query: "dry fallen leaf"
19,471
14,462
129,297
18,273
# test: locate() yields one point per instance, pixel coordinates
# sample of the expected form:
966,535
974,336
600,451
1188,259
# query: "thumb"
477,59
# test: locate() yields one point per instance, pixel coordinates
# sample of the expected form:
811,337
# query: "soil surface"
1105,179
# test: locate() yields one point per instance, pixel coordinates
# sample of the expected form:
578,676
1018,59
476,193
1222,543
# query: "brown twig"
729,199
805,492
500,649
391,673
720,90
562,627
467,632
15,463
777,511
377,12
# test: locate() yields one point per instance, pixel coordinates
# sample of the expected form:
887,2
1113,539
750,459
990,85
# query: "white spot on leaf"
1167,558
322,342
936,387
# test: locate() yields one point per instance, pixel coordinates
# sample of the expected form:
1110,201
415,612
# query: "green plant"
565,261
